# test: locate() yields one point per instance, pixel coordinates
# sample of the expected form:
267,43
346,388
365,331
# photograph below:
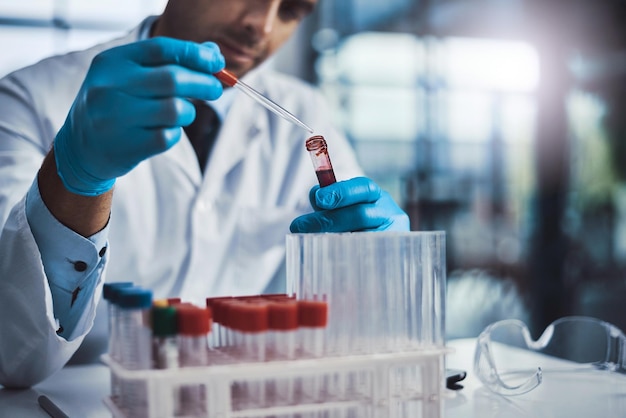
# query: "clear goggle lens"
506,355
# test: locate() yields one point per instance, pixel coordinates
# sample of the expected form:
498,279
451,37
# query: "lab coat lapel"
245,123
243,126
183,155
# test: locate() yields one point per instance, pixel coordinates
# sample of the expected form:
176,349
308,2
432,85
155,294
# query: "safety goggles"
508,361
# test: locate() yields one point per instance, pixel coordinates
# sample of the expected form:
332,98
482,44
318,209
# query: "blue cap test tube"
135,345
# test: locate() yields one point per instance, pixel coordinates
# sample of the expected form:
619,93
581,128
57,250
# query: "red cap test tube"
283,324
217,305
251,324
312,320
194,325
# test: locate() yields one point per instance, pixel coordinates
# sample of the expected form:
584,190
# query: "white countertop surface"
79,391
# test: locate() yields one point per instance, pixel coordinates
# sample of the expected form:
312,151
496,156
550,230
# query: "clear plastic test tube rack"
385,290
378,352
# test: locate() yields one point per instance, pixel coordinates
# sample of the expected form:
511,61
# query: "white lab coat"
171,230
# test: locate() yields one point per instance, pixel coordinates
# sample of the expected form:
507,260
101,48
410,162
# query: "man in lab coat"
95,172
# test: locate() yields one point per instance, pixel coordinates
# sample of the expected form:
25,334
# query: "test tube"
251,322
165,352
164,337
318,150
194,325
135,352
312,321
254,326
283,322
109,293
283,325
218,338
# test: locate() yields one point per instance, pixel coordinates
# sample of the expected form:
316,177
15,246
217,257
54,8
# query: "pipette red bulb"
226,77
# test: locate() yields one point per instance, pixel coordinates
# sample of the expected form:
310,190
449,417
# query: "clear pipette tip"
231,80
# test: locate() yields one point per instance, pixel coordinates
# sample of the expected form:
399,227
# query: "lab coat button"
80,266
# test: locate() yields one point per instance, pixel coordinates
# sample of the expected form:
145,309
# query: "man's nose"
261,17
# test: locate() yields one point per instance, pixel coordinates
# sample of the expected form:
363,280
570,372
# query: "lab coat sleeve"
40,264
30,349
72,263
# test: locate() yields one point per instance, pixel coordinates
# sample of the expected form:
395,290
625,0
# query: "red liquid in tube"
318,150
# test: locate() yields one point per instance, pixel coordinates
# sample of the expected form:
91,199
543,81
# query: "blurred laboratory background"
498,121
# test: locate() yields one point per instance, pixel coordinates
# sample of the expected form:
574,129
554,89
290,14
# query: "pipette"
231,80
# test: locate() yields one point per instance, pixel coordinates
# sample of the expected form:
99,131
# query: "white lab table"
560,395
79,390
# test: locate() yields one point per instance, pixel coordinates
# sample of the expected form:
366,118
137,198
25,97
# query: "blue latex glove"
131,106
353,205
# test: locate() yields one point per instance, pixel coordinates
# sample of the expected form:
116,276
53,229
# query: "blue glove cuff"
75,178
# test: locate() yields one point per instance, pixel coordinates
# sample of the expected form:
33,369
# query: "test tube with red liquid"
318,150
